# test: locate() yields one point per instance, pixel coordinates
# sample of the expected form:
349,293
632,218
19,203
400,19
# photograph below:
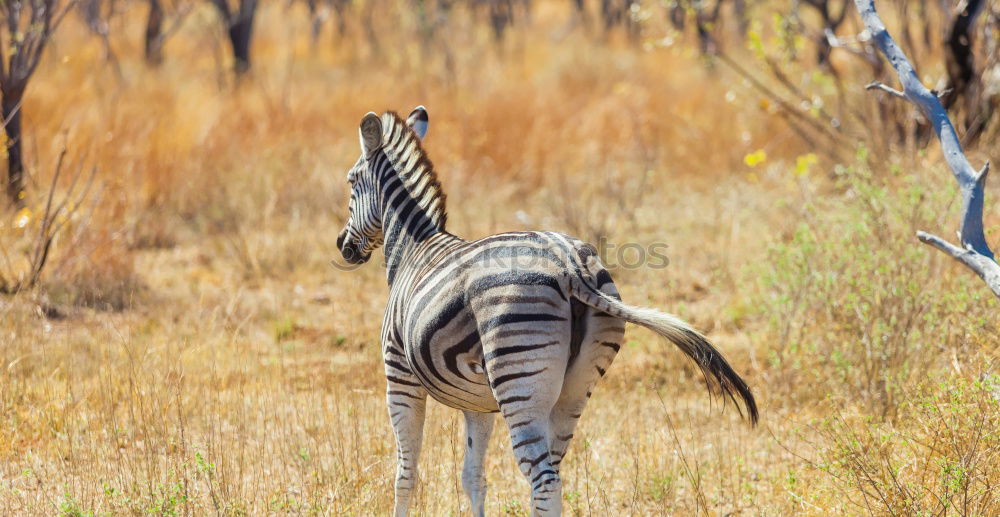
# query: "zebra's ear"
418,121
371,134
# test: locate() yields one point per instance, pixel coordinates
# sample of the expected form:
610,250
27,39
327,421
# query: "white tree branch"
974,252
875,85
985,267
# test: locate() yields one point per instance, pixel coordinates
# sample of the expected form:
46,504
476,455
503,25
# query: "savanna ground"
191,351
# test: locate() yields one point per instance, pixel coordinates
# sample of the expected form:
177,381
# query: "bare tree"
705,20
500,14
26,28
156,33
153,41
832,19
96,15
742,19
708,20
55,216
964,84
319,12
580,13
239,27
974,252
958,44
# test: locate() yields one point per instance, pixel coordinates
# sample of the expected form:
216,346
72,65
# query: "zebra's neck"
405,223
413,205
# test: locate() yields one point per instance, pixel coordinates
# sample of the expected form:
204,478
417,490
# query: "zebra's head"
362,233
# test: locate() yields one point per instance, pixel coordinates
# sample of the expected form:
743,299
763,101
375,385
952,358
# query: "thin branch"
45,236
982,266
17,108
76,205
875,85
177,23
975,252
825,131
3,64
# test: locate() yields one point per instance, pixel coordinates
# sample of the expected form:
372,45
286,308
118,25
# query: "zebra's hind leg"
478,427
526,377
407,403
530,435
603,338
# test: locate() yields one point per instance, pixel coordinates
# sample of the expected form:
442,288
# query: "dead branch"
53,219
974,252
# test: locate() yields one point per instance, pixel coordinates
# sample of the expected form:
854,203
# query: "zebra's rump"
488,311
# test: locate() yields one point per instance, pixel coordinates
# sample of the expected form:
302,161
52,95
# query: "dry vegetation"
190,351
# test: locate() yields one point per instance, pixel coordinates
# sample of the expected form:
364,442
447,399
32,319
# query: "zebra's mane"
402,146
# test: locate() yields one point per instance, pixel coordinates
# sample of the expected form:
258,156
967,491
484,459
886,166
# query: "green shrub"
863,311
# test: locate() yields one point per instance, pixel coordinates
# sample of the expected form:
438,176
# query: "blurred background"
174,340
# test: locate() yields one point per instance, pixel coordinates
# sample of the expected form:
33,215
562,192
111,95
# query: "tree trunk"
960,60
239,38
154,34
704,21
678,15
240,32
11,110
742,20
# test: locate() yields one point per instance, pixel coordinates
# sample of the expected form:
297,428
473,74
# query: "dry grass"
191,351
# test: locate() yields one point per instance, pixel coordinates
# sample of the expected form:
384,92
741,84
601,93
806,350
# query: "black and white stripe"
521,323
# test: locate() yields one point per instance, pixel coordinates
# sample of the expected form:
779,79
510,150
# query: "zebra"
520,323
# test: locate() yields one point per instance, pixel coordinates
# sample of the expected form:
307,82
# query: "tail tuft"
718,373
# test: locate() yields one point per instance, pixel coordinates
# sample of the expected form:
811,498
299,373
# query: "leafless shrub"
21,275
940,459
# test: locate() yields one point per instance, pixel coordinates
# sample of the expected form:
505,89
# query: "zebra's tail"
713,365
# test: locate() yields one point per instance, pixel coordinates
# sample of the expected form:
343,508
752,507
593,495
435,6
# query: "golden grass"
205,358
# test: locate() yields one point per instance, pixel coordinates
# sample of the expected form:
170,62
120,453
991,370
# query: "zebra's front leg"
478,427
407,403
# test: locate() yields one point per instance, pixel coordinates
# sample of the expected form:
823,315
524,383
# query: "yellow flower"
755,158
804,163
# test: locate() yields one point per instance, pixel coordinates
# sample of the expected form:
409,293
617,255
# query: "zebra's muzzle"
351,251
